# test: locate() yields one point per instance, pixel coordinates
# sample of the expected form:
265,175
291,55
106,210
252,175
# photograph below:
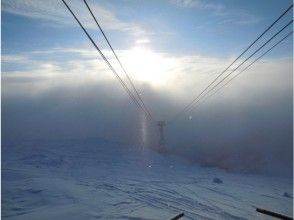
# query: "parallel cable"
223,79
258,58
212,94
247,67
135,101
118,60
262,34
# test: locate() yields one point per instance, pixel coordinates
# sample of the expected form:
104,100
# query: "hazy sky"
55,85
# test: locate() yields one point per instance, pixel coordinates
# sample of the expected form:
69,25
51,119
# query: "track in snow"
96,179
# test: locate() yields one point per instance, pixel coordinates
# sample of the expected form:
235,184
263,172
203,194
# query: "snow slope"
95,179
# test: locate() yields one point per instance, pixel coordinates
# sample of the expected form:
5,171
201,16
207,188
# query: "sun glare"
146,65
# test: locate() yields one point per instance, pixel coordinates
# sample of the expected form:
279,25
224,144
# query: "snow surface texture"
100,180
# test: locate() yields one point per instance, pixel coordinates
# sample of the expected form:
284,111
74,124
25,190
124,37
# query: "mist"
247,127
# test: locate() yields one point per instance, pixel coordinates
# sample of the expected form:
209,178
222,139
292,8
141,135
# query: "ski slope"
96,179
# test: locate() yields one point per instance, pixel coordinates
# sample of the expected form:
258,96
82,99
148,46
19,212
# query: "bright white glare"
147,66
143,128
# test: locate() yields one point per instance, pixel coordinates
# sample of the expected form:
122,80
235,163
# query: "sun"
146,65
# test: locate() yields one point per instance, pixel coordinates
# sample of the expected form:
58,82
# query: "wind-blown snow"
95,179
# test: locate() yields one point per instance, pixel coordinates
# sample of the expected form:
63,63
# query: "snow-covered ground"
101,180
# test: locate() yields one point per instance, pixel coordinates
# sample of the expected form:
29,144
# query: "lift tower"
161,146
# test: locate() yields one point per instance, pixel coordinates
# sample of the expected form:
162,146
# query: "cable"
243,62
107,62
118,60
190,106
276,44
266,30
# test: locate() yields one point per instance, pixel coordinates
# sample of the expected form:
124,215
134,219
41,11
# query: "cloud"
40,72
80,65
185,74
228,15
54,11
217,8
187,3
13,59
142,41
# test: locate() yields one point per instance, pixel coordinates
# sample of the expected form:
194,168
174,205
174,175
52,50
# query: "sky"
56,86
